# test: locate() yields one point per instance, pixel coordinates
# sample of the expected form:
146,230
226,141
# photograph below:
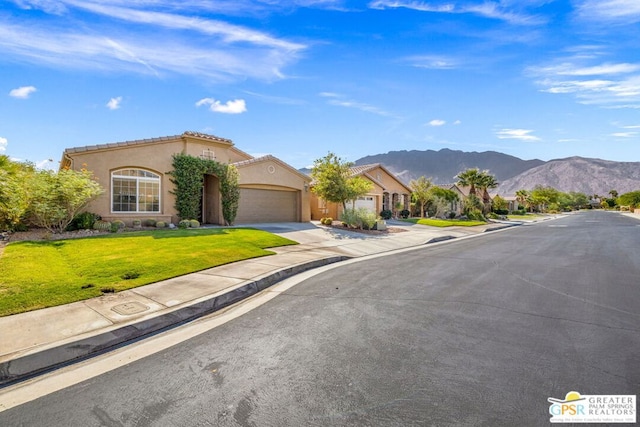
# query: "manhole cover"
130,308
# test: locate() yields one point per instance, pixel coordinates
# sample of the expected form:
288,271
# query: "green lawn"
38,274
444,222
526,217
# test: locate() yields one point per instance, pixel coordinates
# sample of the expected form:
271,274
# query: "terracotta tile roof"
274,159
357,170
146,141
254,160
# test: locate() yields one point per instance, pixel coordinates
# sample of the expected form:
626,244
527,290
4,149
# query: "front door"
211,204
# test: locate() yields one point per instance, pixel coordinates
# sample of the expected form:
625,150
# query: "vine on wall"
188,178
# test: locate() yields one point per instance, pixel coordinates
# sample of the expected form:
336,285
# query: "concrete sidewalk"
40,340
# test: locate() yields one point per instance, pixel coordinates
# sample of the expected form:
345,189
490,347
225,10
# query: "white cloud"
491,10
624,134
114,103
610,85
626,11
520,134
235,106
3,144
22,92
434,62
341,101
457,122
181,44
437,122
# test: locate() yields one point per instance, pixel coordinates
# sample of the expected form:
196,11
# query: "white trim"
149,177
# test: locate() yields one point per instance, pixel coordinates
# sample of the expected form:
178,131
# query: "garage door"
267,206
367,202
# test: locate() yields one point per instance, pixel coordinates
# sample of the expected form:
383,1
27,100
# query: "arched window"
135,190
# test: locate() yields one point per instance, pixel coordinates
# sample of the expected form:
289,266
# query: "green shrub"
83,221
501,211
327,221
119,224
101,225
150,222
185,223
475,215
405,213
359,218
161,224
451,215
136,223
194,223
386,214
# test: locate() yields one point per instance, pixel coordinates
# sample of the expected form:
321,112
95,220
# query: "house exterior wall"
383,182
271,174
156,156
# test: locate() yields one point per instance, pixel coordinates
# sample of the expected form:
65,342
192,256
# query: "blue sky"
531,78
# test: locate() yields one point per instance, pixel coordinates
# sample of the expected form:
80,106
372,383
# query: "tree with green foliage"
524,199
421,192
56,197
188,177
499,203
333,181
230,191
472,178
542,197
478,180
631,199
14,197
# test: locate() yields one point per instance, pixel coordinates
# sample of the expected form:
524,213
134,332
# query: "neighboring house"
387,191
137,183
512,203
463,192
456,205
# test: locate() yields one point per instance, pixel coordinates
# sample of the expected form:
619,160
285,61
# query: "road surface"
477,331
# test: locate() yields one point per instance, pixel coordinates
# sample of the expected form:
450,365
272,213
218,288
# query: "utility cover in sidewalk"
129,308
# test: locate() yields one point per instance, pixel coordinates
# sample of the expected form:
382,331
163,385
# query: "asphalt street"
472,332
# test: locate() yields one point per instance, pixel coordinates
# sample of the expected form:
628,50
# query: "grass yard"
444,222
38,274
526,217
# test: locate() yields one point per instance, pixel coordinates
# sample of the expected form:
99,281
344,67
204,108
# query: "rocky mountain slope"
589,176
441,166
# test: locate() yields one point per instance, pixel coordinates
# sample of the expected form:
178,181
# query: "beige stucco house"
135,176
387,191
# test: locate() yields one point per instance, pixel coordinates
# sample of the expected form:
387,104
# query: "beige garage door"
267,206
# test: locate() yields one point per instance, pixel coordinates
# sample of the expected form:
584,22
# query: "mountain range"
589,176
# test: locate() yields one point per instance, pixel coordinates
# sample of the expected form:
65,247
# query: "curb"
38,361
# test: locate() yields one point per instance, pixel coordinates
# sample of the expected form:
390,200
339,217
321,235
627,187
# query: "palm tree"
471,178
522,197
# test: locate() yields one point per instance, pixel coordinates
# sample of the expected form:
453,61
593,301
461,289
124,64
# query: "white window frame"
141,175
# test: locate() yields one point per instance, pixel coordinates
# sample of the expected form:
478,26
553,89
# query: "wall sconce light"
306,187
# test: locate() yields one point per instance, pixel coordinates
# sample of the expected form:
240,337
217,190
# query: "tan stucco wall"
271,174
382,181
156,156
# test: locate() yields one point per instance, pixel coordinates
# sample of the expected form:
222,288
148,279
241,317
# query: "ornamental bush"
83,221
386,214
101,225
183,224
56,198
119,224
161,224
194,223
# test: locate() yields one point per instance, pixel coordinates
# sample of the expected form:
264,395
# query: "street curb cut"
47,359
